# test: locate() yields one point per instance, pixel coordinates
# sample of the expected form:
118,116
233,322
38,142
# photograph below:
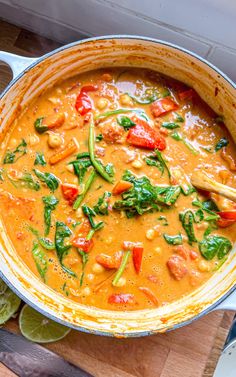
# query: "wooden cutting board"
181,353
188,352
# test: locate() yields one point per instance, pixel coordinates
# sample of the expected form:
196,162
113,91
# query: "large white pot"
31,77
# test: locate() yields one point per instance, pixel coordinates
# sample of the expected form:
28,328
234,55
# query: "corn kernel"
125,100
102,103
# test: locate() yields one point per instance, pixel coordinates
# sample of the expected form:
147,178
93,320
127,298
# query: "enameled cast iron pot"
32,77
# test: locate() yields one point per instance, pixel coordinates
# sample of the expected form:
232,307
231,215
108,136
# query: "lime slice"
37,328
9,303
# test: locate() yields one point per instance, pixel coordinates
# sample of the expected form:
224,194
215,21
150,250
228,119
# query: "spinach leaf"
109,168
101,208
40,260
39,126
81,165
208,206
173,240
158,161
221,143
125,122
50,179
188,218
28,180
84,258
170,125
214,245
98,138
144,197
13,156
90,214
178,118
40,159
62,232
164,221
44,242
50,203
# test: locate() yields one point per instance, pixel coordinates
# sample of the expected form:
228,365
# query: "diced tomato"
150,295
83,229
121,186
83,103
177,267
163,106
193,254
137,258
108,261
183,251
187,94
144,136
83,244
69,192
122,298
227,215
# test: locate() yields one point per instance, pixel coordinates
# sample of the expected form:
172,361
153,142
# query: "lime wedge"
9,303
37,328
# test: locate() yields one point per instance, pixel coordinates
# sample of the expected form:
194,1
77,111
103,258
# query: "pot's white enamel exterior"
214,87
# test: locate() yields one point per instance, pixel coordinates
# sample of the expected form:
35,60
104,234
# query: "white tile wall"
206,27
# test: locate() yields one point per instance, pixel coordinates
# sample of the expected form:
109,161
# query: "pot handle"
229,303
17,63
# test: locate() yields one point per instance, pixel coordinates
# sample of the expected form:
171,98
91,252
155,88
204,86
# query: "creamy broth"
124,244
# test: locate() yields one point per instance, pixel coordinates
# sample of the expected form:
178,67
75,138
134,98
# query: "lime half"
9,303
37,328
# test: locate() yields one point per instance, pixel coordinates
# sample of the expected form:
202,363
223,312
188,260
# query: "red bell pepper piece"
187,94
122,298
144,136
228,215
223,223
69,192
163,106
83,229
108,261
83,103
83,244
137,258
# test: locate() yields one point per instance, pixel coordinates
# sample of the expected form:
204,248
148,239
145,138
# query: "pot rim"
36,306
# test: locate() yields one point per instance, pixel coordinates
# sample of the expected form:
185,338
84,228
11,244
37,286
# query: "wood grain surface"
191,351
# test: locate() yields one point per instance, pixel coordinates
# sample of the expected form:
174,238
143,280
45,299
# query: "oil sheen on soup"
96,191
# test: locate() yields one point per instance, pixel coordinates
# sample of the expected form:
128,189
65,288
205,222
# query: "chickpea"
33,140
204,266
102,103
90,277
150,234
121,282
137,164
79,213
125,100
54,140
86,291
158,250
98,269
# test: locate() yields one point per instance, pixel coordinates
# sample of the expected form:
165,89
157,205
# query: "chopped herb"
83,155
27,180
214,245
75,224
13,156
63,232
44,242
50,203
188,218
173,240
101,208
144,197
164,221
1,174
121,268
170,125
40,260
87,186
84,258
99,138
40,159
64,288
125,122
179,118
90,214
176,136
221,144
50,179
39,126
97,165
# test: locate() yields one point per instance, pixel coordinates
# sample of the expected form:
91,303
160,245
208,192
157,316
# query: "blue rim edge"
35,306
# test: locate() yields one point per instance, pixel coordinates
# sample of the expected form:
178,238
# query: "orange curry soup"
96,191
